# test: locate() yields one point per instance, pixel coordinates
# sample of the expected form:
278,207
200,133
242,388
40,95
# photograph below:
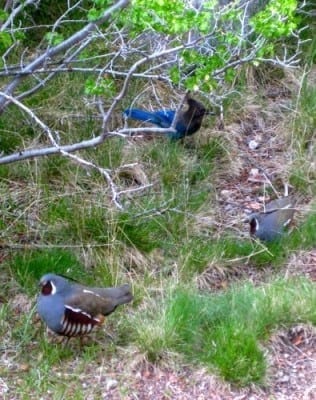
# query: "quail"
70,309
270,224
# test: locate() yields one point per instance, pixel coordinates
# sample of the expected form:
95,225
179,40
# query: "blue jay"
188,122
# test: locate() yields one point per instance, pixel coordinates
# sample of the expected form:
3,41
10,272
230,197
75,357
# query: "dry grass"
169,236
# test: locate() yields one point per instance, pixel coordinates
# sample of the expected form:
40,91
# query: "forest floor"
291,375
260,154
291,353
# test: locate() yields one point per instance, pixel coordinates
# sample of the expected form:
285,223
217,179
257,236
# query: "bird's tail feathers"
124,294
118,295
142,115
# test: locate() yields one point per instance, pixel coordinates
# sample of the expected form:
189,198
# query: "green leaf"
3,15
277,20
54,38
105,87
5,41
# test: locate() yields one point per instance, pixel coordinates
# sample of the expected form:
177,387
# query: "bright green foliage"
223,330
278,19
105,87
3,15
163,16
8,37
204,66
222,30
98,9
5,41
54,38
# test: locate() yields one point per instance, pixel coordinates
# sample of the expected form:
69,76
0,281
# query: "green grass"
111,154
58,217
304,237
29,266
225,331
303,138
197,253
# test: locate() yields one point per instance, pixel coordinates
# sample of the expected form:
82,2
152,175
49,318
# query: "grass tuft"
224,331
28,267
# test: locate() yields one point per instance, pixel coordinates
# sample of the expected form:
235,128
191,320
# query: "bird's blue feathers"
188,122
161,118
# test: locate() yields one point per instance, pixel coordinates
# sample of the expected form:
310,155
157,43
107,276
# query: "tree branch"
65,151
60,48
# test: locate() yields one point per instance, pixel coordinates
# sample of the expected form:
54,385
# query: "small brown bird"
70,309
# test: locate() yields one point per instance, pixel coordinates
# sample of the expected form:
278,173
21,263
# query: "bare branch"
61,48
15,12
150,52
62,150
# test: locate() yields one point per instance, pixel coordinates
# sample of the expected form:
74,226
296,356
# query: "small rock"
111,384
24,367
253,145
254,172
262,199
284,379
3,387
226,194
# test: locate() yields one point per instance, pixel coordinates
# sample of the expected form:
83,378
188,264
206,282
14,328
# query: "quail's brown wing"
91,303
117,295
281,210
86,307
82,313
282,203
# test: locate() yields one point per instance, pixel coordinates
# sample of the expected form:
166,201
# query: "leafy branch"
185,47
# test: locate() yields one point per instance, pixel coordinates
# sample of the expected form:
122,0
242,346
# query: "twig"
60,48
106,173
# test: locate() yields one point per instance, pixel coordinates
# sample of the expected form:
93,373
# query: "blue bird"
188,121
